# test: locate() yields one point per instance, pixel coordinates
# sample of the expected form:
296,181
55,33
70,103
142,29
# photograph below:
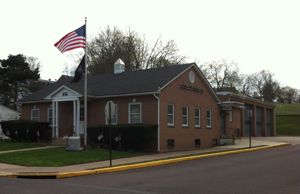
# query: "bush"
23,130
132,137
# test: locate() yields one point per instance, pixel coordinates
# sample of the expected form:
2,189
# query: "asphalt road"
269,171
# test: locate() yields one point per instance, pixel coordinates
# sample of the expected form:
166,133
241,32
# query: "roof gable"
107,85
62,93
202,77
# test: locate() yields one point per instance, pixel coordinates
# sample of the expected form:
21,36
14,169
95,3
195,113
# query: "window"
81,112
185,116
230,115
50,118
35,114
114,119
170,143
170,114
208,118
197,117
135,115
197,143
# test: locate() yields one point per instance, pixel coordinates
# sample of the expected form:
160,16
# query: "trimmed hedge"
137,137
24,130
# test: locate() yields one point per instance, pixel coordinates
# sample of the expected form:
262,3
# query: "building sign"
191,88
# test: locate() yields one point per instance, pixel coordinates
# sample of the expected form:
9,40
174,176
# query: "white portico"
61,95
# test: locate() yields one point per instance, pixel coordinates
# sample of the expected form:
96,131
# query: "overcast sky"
257,34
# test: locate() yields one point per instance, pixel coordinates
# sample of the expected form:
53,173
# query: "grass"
11,145
60,157
288,125
288,119
288,109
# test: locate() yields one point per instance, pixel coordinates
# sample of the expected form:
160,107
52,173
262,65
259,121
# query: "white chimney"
119,66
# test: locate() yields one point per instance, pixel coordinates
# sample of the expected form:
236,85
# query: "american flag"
72,40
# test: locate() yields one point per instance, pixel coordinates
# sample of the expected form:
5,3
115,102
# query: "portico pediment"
64,93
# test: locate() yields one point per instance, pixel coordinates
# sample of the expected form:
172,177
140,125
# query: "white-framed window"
81,112
170,114
114,119
134,113
50,115
35,114
230,115
208,118
197,117
185,116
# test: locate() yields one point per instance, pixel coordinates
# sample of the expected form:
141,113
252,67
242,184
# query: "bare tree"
287,95
132,48
221,74
260,85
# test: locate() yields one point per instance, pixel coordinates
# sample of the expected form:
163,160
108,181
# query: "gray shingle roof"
126,83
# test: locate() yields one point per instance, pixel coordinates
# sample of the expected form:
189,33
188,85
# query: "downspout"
156,95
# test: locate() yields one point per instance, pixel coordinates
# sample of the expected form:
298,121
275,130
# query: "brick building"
243,115
178,99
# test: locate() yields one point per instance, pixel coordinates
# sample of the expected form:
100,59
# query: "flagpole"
85,90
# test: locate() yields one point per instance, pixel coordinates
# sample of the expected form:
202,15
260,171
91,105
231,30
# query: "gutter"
156,95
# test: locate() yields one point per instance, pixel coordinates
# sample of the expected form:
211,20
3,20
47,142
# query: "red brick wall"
236,123
65,115
96,114
26,110
185,137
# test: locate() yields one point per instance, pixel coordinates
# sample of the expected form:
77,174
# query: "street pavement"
6,169
272,171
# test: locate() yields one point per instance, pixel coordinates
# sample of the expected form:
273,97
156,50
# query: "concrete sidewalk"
125,163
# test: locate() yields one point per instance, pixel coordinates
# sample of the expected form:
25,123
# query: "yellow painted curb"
60,175
162,162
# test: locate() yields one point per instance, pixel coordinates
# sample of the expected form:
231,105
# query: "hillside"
287,109
288,119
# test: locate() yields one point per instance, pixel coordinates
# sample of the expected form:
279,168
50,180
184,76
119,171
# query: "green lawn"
10,145
60,157
288,119
288,125
288,109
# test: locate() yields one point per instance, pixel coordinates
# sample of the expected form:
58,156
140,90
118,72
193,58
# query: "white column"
78,117
74,118
56,120
53,120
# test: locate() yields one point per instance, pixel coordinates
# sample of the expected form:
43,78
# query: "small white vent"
119,66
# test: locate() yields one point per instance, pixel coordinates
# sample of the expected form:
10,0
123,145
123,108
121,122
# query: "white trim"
177,76
209,125
230,115
31,102
38,117
48,115
116,115
50,96
74,118
53,122
158,119
173,115
134,103
78,117
199,118
56,120
187,116
121,95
